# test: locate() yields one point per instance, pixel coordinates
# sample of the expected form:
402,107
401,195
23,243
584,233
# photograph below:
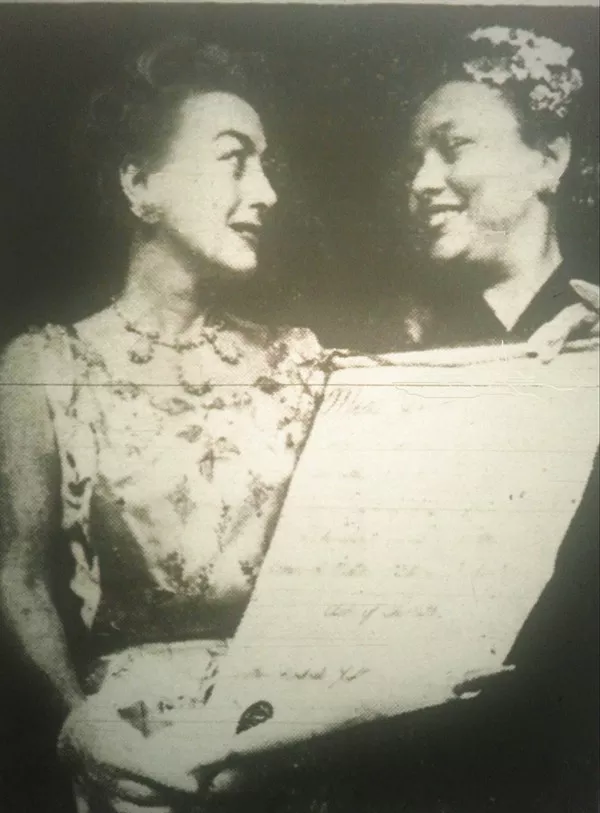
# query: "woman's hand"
549,340
114,761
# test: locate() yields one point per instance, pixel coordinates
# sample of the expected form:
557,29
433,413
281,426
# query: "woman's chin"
240,269
445,251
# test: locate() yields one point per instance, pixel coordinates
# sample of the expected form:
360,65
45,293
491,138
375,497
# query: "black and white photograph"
299,412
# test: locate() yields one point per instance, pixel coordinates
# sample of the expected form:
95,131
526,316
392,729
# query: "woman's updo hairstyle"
134,120
537,77
534,74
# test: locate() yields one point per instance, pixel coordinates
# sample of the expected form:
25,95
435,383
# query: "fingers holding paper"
580,319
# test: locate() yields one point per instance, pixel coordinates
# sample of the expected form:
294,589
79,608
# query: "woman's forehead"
470,105
207,117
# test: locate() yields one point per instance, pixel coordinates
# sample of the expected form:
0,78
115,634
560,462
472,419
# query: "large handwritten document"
420,528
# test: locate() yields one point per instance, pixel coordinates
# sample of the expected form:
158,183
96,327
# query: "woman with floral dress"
162,440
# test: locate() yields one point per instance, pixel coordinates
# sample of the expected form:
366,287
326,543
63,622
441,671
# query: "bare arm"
96,742
29,516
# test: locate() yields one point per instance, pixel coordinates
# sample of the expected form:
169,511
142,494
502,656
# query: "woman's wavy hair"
134,119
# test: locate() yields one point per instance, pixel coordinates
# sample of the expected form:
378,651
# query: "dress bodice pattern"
174,467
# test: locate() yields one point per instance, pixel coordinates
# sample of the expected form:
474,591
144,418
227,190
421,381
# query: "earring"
145,212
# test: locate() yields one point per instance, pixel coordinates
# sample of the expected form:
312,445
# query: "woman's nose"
259,190
431,174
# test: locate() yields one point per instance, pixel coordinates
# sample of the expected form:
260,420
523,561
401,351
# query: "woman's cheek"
463,181
508,200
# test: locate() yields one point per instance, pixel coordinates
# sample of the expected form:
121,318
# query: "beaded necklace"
226,347
212,335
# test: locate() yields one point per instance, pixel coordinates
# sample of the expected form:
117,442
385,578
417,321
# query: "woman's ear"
557,154
135,188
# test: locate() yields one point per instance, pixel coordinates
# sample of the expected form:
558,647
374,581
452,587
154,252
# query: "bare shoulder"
100,326
302,343
25,365
21,360
28,456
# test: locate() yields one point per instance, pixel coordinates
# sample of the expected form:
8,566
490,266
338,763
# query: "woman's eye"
452,147
237,158
460,141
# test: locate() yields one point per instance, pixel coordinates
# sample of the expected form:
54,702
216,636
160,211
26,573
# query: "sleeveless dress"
172,483
174,465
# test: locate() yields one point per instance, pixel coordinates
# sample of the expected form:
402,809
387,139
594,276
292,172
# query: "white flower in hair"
515,54
494,33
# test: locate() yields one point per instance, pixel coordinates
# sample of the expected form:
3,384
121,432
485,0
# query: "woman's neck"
163,293
530,258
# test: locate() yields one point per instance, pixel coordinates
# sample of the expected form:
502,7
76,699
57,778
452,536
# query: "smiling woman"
479,187
490,147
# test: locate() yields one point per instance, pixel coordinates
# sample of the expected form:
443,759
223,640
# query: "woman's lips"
442,217
247,231
439,215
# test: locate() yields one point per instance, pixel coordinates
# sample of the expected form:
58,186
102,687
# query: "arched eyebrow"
420,135
438,136
442,129
247,142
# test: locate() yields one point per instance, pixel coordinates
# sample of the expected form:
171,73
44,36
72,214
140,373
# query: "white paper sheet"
421,526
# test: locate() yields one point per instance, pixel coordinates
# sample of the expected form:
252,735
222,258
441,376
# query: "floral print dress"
172,483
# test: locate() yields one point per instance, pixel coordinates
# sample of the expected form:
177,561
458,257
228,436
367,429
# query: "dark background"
336,251
336,258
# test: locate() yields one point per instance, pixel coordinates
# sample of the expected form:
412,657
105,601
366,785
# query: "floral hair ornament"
515,55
